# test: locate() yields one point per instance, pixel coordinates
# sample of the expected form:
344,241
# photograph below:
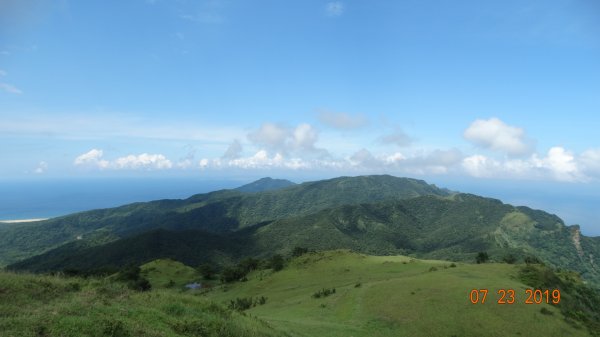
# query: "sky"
453,91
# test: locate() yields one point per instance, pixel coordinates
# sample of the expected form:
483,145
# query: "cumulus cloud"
270,135
143,161
335,8
558,164
496,135
285,140
93,158
590,162
234,150
341,120
41,168
398,137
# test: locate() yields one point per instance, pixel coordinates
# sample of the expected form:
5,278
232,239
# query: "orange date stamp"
508,296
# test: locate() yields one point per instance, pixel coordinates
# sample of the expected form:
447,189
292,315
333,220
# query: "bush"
433,269
141,284
510,259
482,257
245,303
452,265
207,271
323,293
299,251
277,262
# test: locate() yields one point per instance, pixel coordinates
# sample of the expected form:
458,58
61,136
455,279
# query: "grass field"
374,296
394,296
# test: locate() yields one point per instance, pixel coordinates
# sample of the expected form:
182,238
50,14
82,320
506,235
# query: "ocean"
30,199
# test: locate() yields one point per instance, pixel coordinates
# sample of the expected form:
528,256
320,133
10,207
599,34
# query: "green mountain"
454,227
219,212
265,184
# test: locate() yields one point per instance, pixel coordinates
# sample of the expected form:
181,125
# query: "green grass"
398,296
166,273
32,305
374,296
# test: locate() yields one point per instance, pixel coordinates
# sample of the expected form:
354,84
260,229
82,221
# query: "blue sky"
505,90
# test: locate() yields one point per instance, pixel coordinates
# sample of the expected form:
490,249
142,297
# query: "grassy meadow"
333,293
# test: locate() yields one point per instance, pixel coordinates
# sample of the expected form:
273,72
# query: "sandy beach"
23,220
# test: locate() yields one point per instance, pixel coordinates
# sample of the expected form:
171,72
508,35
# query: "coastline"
23,220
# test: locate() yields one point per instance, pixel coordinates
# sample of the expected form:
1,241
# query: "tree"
207,271
482,257
277,262
510,259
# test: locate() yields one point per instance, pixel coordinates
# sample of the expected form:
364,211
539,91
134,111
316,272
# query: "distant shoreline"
23,220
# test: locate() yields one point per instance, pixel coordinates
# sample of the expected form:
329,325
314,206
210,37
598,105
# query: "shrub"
452,265
323,293
510,259
433,269
245,303
277,262
207,271
482,257
299,251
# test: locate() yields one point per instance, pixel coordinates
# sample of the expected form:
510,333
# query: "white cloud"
284,140
143,161
41,168
590,162
11,89
270,135
304,137
92,158
234,150
496,135
335,8
90,125
341,120
398,137
558,164
364,158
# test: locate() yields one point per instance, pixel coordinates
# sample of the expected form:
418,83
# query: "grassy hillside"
394,296
33,306
220,212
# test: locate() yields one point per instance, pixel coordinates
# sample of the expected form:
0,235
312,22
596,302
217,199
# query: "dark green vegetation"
265,184
217,212
380,215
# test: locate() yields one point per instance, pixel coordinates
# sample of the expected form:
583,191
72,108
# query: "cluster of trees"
134,280
239,271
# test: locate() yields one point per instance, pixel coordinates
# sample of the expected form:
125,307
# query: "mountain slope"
265,184
454,228
220,212
396,296
34,305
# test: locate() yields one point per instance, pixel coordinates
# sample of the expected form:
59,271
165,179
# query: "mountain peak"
265,184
